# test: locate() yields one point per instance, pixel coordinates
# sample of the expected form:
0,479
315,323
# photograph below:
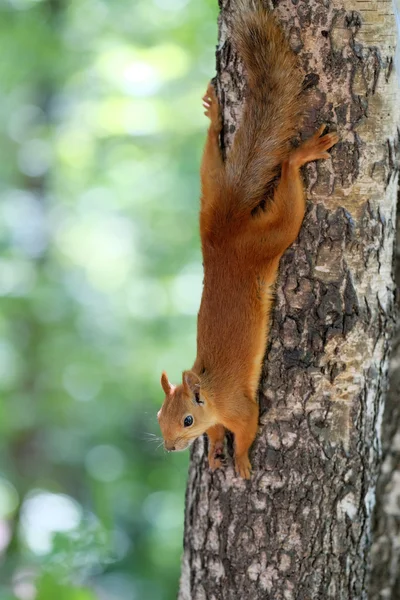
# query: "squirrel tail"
273,110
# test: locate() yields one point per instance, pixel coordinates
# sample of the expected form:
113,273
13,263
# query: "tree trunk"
385,578
301,527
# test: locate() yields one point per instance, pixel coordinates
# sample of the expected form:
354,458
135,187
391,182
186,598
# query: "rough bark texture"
385,578
301,527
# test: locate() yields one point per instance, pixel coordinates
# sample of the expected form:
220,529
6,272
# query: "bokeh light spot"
105,463
43,514
8,498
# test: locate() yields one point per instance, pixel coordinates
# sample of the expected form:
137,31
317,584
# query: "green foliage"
100,279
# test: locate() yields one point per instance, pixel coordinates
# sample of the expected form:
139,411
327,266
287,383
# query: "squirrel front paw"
210,103
216,456
243,466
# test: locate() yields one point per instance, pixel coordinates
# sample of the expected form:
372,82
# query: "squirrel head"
183,415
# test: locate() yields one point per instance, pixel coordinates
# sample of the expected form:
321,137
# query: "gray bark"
385,577
301,527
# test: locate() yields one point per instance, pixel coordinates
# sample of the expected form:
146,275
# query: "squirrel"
246,224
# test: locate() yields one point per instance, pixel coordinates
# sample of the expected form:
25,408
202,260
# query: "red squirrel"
246,223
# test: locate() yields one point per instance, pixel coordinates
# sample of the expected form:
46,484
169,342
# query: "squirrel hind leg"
315,148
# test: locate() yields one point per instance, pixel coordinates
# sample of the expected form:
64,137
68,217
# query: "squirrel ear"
191,381
165,384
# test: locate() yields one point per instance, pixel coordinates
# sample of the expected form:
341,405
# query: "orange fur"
242,243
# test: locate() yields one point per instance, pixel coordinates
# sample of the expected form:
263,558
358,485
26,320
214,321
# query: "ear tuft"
191,380
165,384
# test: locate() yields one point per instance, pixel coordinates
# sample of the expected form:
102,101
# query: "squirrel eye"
188,421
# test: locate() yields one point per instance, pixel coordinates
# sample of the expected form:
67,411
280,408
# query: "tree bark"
301,527
385,577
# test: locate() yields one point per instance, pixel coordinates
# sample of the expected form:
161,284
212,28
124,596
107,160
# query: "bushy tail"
273,110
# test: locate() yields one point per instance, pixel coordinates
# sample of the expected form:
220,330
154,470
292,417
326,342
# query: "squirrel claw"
210,103
243,466
319,131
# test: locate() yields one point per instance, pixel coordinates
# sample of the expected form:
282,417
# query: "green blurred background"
100,276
